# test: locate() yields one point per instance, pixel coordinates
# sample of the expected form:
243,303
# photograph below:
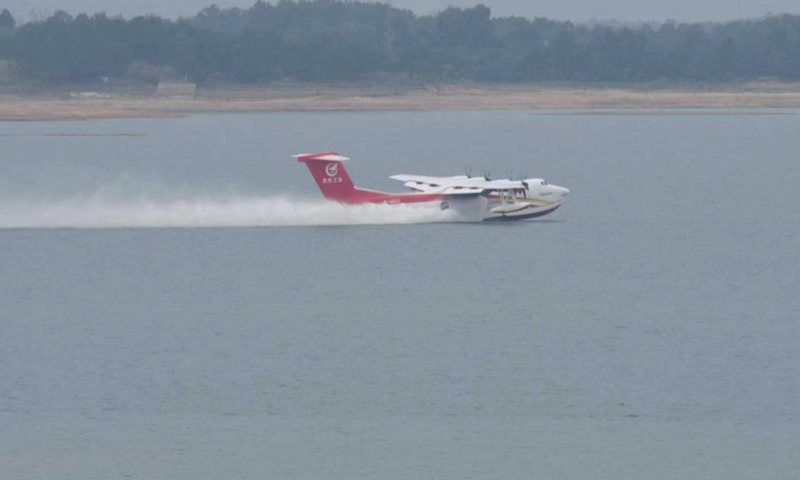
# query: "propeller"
487,175
510,175
468,171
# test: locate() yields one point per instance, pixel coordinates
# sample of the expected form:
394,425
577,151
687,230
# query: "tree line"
331,40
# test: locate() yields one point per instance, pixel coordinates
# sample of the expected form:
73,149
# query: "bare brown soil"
482,97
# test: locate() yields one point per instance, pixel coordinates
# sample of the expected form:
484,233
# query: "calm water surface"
648,329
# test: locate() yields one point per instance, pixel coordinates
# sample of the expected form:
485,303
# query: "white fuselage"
537,199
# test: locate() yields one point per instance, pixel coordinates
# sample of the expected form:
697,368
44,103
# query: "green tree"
7,20
331,40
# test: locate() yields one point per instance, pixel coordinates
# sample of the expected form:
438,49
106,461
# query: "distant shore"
88,105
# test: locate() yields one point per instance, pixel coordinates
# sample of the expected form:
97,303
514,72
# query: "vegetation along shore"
333,55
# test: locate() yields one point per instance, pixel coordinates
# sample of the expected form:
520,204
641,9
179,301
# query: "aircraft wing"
454,184
436,181
461,191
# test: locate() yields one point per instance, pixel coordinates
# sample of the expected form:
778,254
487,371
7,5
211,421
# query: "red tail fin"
328,170
331,176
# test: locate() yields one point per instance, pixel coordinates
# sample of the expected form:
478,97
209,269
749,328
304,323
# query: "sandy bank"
49,108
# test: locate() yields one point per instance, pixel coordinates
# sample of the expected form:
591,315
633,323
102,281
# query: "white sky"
578,10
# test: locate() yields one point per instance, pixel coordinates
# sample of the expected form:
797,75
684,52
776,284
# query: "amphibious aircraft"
497,200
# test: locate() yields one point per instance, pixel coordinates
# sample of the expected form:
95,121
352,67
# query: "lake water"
648,329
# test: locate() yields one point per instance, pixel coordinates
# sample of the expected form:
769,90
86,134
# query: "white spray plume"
101,212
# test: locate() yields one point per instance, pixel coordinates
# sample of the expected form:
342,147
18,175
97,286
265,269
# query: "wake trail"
98,212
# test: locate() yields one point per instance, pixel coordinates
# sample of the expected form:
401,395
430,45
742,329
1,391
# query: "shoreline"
582,100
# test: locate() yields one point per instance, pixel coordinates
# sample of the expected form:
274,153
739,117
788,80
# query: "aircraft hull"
487,211
526,214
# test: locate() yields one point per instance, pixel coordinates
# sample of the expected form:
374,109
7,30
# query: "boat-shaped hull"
530,211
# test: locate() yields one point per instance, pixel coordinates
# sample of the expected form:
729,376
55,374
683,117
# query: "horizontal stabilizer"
325,157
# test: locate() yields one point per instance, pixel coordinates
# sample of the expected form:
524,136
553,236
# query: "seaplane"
495,200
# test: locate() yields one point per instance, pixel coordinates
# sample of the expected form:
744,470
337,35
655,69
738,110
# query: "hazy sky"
580,10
